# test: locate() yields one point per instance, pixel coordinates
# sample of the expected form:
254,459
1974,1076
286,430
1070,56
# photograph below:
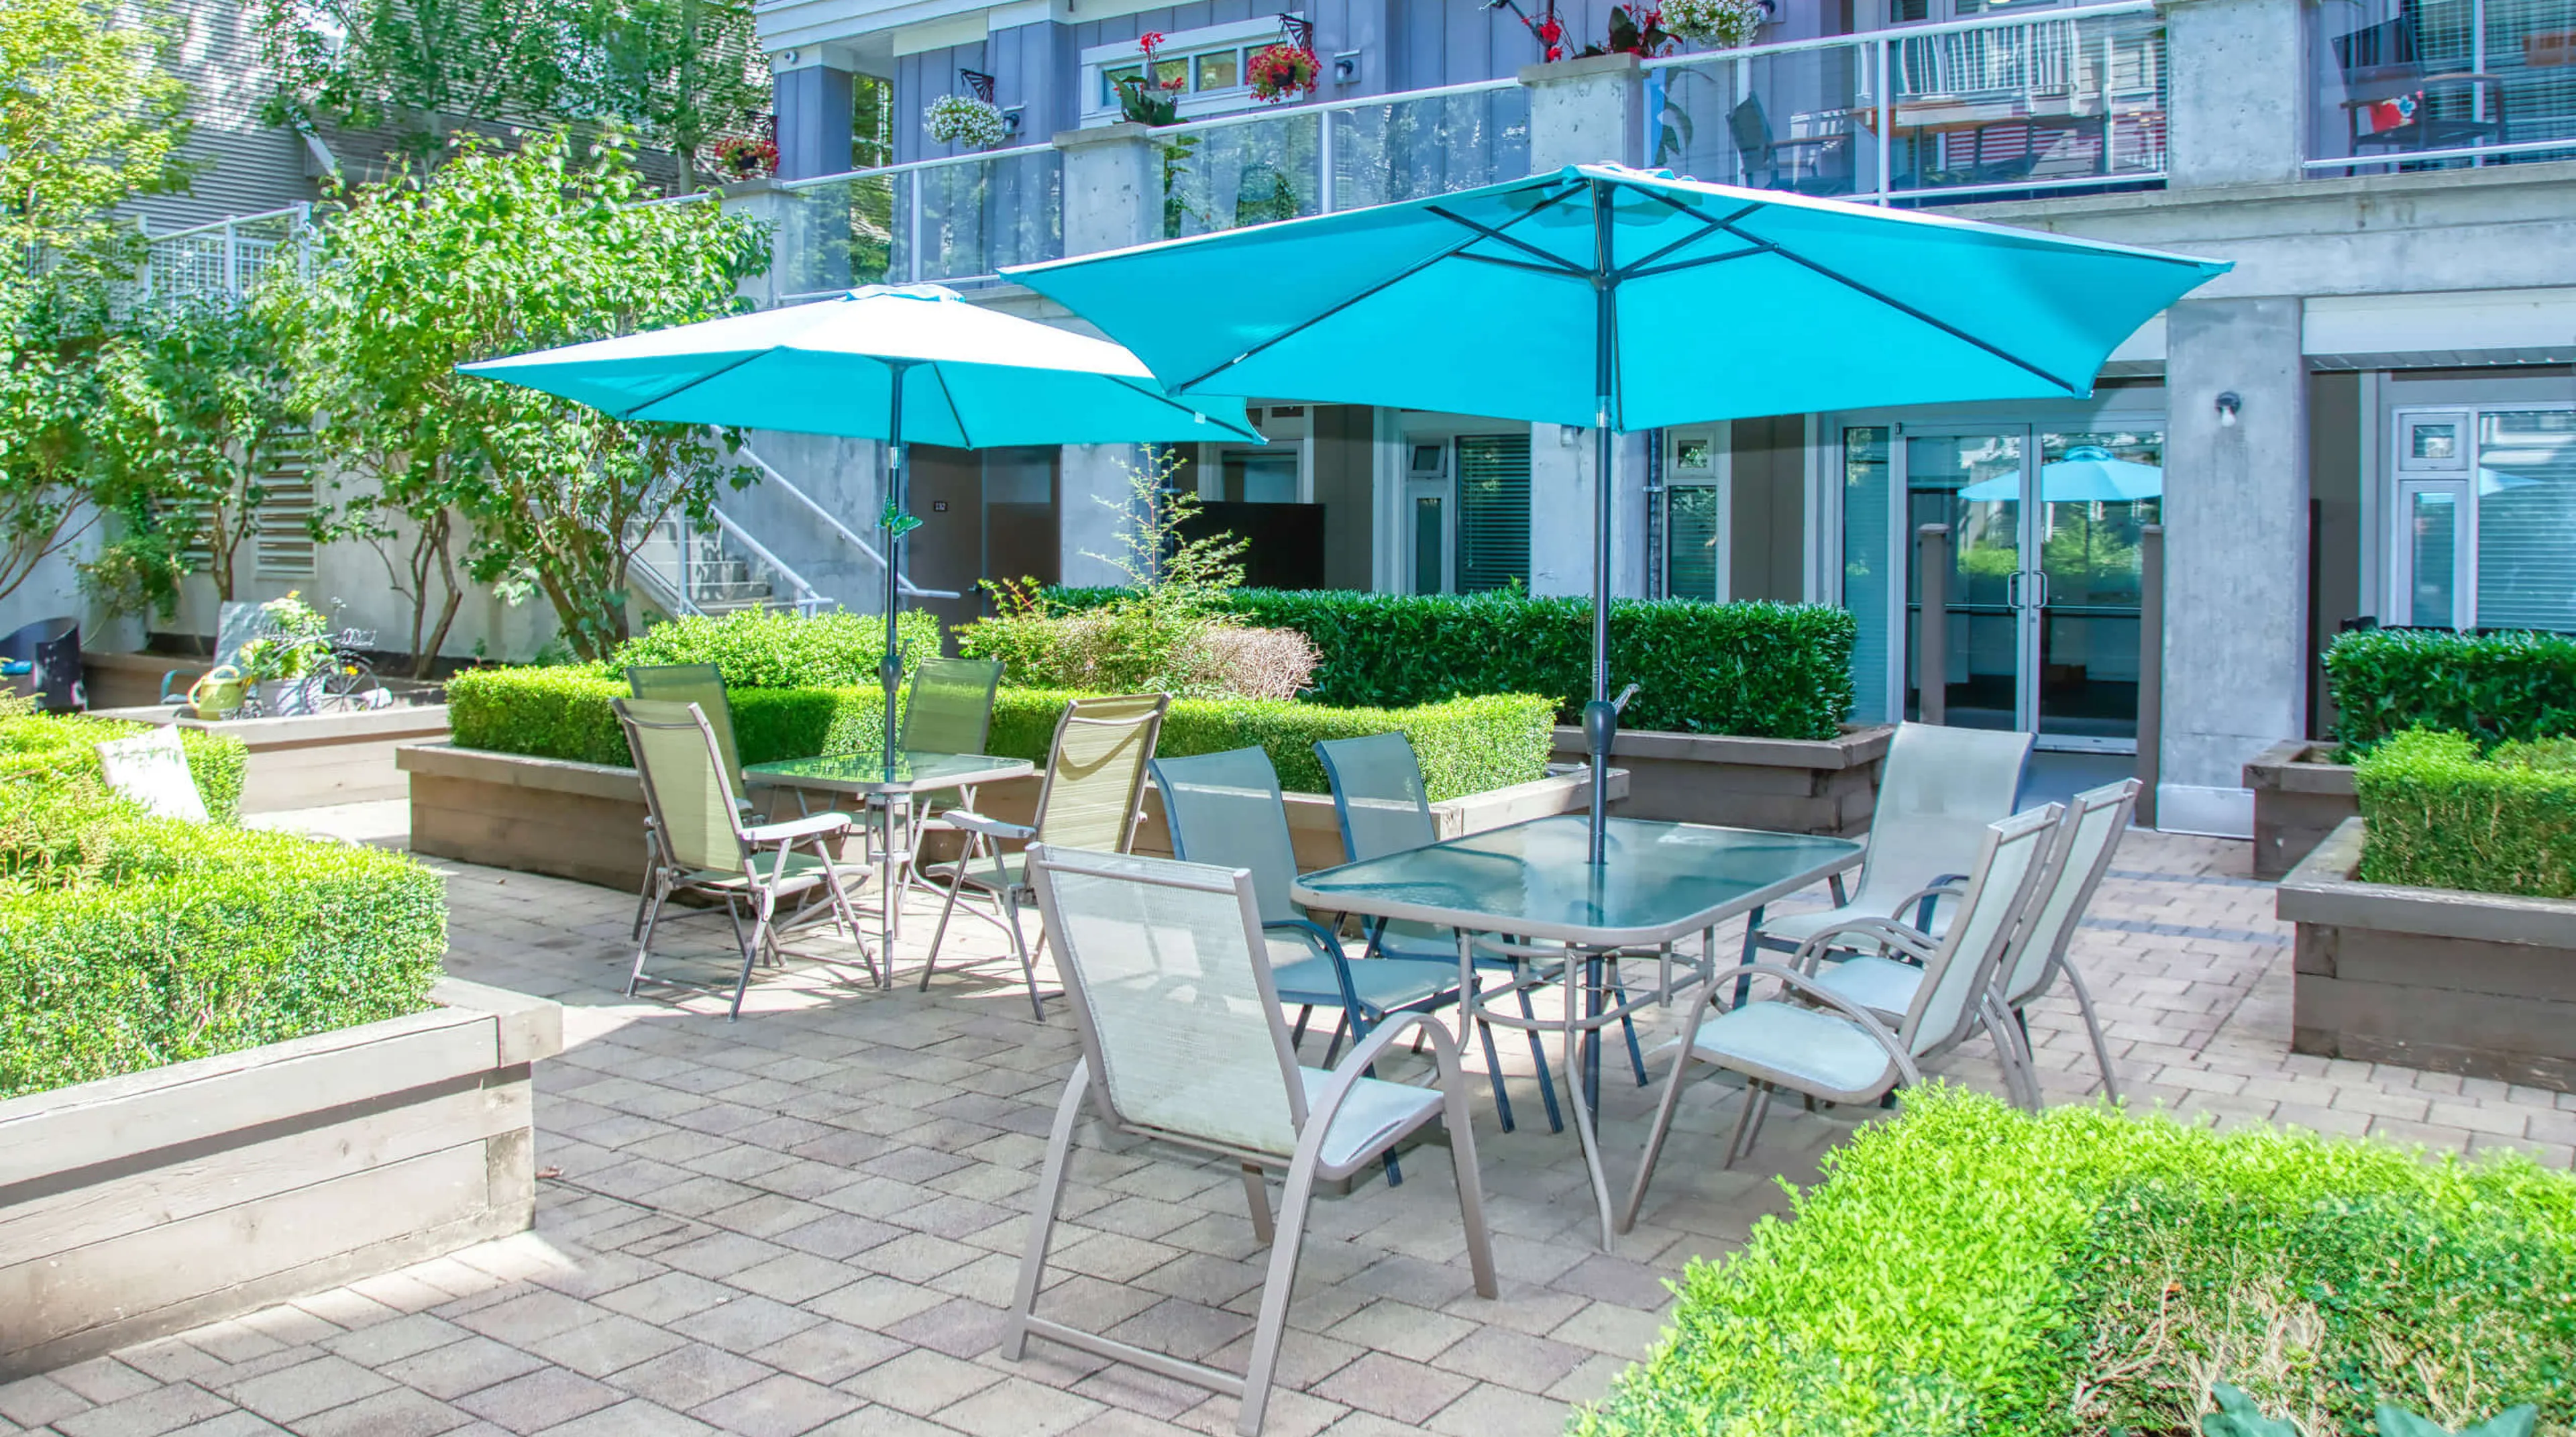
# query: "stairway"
705,573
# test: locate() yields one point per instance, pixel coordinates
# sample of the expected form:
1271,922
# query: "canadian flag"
2386,115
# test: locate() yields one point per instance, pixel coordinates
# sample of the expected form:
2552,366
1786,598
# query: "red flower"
1550,32
1148,41
1555,53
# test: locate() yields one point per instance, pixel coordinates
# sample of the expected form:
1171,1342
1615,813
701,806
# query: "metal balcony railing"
2069,100
226,257
1266,165
956,220
2439,84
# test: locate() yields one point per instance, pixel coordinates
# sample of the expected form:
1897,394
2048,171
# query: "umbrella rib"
1557,270
1491,233
1399,277
964,440
1903,308
1702,262
1153,391
636,411
1707,227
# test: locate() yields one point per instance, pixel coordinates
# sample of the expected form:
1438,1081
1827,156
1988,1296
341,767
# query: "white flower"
1722,23
965,120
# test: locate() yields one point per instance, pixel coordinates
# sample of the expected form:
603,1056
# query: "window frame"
2407,477
1185,47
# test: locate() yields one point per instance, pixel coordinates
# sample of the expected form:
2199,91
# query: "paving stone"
1016,1406
776,1406
103,1380
611,1344
35,1401
1401,1391
396,1412
687,1376
633,1417
470,1365
920,1382
145,1414
302,1390
544,1398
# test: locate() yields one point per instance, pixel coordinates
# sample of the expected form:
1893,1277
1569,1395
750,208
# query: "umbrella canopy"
911,364
1624,300
2087,474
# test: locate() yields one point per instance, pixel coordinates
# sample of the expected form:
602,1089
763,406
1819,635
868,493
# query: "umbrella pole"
890,667
1600,716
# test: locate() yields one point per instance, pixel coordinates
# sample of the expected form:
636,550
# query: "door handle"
2042,576
2012,589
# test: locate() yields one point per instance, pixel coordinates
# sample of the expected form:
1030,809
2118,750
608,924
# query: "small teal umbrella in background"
905,365
2088,474
1622,300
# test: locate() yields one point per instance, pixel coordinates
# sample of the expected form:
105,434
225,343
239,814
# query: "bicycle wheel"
348,683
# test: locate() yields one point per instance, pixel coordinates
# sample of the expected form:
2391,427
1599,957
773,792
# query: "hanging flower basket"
746,158
1283,72
1722,24
965,120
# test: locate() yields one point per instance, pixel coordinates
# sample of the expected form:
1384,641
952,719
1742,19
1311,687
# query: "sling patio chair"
1094,780
948,708
713,853
1384,806
703,685
1183,1043
1225,810
1940,789
1812,1040
2090,835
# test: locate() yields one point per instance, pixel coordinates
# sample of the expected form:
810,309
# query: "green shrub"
1758,669
2439,816
54,746
2492,687
128,942
1466,745
1969,1268
763,649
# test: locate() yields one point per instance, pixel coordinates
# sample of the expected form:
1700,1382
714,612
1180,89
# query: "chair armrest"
1332,946
796,828
1886,931
1808,987
974,822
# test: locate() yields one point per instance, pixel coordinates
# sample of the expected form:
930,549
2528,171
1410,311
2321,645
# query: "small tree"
682,72
415,66
199,407
1162,563
496,253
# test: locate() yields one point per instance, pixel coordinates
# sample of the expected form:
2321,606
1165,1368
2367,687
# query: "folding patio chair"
1812,1040
713,853
1384,806
1225,809
947,709
1094,779
703,685
2090,835
1940,789
1183,1043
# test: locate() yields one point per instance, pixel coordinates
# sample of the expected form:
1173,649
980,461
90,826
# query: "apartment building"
2372,415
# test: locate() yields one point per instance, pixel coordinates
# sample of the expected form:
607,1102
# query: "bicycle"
346,679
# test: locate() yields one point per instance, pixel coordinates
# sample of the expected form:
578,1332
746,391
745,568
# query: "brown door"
946,552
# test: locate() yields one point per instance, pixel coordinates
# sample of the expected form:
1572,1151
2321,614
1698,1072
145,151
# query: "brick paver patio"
810,1220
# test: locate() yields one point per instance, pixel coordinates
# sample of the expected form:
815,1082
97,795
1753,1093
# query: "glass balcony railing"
2438,84
1280,164
2068,100
954,221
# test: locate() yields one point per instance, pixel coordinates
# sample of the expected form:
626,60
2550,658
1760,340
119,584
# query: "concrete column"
1561,513
1091,494
793,255
2237,107
1586,112
1113,189
2236,527
813,104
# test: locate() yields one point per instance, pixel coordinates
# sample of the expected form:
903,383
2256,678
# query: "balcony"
2071,100
1254,168
2440,84
956,221
227,257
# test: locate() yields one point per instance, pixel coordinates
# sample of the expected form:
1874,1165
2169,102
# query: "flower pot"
285,698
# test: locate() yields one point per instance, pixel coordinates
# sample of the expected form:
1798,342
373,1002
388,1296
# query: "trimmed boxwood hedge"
1966,1268
1466,745
128,942
766,649
1761,670
2440,816
45,747
2495,688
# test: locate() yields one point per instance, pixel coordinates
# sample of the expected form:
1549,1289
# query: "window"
1211,65
2485,519
1694,563
1493,511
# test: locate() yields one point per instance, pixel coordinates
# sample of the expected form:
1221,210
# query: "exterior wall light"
2228,404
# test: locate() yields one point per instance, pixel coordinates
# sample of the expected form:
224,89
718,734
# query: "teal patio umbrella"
904,365
1623,300
2088,474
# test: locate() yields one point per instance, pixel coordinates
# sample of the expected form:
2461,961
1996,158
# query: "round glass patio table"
1530,882
912,774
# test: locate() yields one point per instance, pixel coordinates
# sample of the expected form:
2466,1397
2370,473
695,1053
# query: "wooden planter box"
317,759
1783,785
585,821
2474,983
142,1205
2299,798
121,681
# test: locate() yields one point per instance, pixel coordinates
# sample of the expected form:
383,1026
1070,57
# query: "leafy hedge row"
128,942
2135,1260
1466,745
764,649
49,747
2440,816
2495,688
1758,669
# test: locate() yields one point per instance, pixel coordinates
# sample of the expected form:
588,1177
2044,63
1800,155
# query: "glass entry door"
2042,594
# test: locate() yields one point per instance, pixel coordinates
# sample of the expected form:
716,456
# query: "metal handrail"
1907,32
1247,117
848,535
302,212
808,598
939,162
2457,152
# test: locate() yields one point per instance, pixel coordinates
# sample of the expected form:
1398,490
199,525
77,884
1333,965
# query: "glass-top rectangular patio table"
913,774
1530,883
